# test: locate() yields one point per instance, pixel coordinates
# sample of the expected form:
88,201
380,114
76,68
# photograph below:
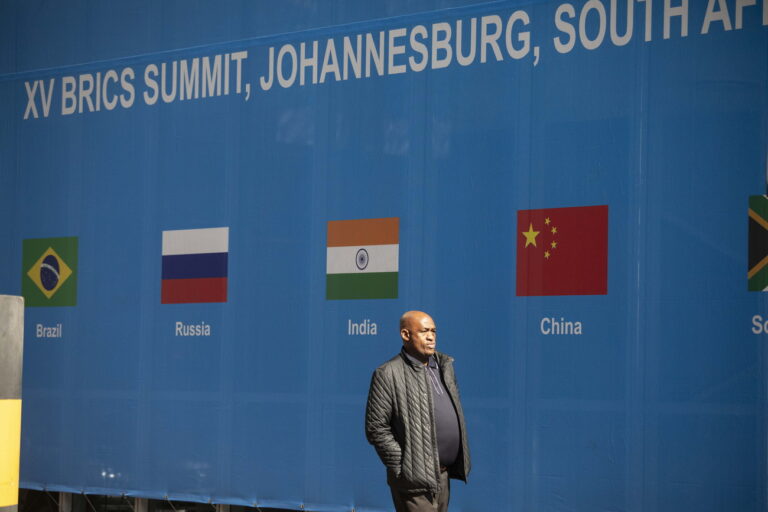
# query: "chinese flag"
562,251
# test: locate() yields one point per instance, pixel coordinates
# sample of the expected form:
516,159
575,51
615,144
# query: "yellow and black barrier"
11,345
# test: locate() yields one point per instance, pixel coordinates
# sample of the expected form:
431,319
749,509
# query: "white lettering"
375,54
419,47
466,60
31,106
353,58
85,91
720,15
490,39
594,13
267,84
330,62
681,11
565,27
740,5
615,37
226,74
125,80
394,50
109,76
586,42
55,331
364,328
190,81
238,58
211,77
199,329
46,97
441,43
168,96
281,79
149,73
523,37
648,18
765,12
562,327
68,99
308,62
759,325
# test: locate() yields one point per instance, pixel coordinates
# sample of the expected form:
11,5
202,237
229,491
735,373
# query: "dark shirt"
446,421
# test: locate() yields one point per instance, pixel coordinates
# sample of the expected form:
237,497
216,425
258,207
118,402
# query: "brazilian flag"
49,271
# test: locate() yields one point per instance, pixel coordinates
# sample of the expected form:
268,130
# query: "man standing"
415,421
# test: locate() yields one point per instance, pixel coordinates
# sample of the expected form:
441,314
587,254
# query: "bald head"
419,335
411,316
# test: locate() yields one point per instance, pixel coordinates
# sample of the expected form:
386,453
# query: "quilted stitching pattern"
399,423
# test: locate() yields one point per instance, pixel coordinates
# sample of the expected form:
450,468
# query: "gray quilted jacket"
400,424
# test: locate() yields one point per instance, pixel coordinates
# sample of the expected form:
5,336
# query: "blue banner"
216,229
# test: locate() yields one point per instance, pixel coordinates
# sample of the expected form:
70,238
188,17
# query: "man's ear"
405,335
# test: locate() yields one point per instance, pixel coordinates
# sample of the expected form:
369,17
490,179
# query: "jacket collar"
439,359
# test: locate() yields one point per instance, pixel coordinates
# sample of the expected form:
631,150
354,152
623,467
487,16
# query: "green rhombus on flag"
49,271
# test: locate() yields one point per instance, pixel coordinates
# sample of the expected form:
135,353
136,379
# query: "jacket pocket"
394,477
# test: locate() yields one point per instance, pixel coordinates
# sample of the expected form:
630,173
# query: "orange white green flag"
362,259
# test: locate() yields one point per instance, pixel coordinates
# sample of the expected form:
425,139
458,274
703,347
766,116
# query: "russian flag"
195,265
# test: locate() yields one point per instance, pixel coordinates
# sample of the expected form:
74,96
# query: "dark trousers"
425,502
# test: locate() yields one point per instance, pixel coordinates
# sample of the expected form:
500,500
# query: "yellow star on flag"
530,236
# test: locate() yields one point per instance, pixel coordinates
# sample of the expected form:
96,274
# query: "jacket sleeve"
378,422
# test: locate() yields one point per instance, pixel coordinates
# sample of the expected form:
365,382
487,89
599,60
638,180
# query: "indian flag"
362,259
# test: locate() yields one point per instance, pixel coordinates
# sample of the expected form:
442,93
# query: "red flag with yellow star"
562,251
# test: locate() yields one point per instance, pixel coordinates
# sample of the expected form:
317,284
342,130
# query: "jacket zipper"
433,430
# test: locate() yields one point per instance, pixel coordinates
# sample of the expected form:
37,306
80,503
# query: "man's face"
420,336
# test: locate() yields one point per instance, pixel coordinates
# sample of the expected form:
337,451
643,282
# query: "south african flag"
757,273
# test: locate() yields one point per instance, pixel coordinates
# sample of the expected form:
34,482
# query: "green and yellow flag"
49,271
757,266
